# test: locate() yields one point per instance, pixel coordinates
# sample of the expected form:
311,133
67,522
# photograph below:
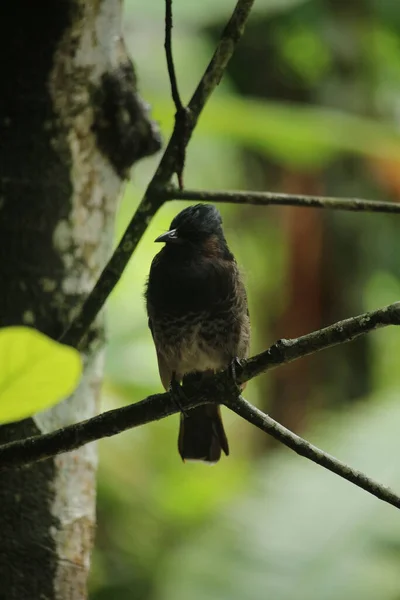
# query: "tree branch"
182,115
285,351
168,165
273,198
212,390
161,405
244,409
170,59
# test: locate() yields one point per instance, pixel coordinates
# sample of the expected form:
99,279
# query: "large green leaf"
35,372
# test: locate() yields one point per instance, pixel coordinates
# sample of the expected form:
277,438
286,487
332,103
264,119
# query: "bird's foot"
232,369
235,363
178,395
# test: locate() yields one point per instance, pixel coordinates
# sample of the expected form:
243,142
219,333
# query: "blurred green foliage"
309,105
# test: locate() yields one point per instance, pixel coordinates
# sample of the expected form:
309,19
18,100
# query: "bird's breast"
198,314
193,343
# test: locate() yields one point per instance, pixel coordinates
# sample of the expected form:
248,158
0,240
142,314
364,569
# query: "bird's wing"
165,372
149,323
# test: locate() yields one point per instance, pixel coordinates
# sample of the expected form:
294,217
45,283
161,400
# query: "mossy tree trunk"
71,125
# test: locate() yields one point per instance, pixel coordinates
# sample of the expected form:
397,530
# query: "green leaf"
35,372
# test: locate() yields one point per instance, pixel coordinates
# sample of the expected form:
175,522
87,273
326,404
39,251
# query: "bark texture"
71,125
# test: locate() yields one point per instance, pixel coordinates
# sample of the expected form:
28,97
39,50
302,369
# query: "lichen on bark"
59,188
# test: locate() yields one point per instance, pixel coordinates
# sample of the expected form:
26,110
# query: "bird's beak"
169,236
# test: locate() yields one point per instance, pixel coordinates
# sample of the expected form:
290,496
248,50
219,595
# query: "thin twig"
170,59
269,198
182,114
285,351
156,407
264,422
151,202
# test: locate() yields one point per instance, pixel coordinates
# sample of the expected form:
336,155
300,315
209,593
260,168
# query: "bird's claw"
234,364
178,395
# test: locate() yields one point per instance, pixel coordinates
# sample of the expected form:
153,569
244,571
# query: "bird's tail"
202,435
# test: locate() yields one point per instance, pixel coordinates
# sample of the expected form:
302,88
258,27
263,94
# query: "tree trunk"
71,125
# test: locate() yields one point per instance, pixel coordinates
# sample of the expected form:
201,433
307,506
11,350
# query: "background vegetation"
310,105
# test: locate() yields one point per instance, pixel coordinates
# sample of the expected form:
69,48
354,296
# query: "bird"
198,316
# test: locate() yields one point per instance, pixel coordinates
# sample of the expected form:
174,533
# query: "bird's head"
198,226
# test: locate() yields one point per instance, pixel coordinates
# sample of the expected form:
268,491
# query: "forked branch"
23,452
169,164
220,386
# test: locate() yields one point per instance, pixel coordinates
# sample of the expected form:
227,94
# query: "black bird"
198,316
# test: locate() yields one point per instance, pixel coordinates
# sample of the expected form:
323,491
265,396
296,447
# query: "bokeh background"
310,104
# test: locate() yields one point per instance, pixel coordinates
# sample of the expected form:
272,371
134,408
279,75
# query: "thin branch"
107,424
285,351
212,390
222,55
170,59
273,198
244,409
182,115
75,333
151,202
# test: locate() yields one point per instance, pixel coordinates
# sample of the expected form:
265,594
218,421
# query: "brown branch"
220,386
170,59
244,409
285,351
168,165
182,114
107,424
273,198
